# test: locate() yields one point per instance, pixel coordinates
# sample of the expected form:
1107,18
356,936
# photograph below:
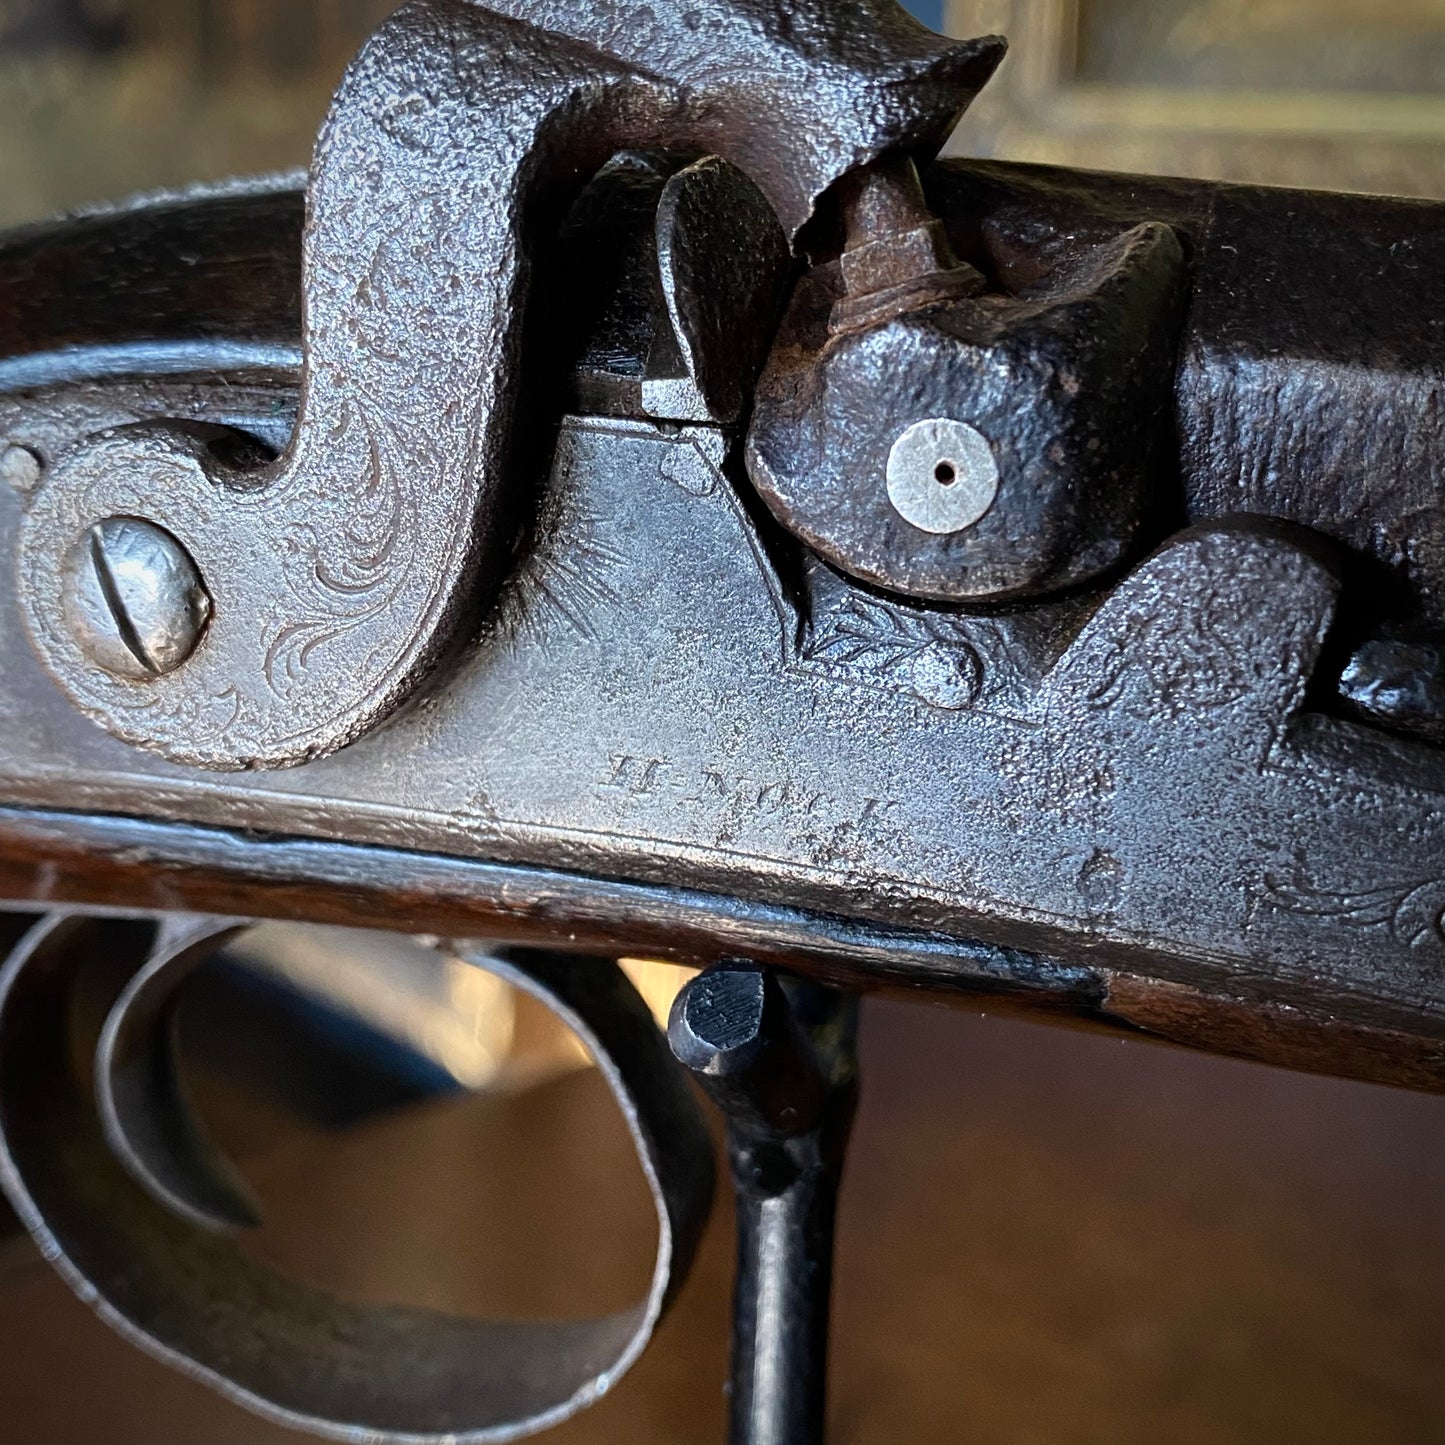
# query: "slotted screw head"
133,598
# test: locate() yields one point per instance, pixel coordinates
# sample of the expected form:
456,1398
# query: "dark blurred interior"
1048,1237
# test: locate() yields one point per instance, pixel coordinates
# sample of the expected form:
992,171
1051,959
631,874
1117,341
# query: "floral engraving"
869,642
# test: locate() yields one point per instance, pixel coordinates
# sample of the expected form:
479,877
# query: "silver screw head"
941,475
133,598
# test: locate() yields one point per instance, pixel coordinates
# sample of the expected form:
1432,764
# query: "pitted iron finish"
357,557
1090,345
1069,629
1134,778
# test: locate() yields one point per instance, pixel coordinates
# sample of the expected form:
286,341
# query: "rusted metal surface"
1058,615
455,133
1136,782
1090,342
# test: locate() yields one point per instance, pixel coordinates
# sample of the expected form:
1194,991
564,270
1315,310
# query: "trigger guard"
173,1283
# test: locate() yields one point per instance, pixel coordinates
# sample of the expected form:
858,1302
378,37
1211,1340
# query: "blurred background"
1047,1237
105,97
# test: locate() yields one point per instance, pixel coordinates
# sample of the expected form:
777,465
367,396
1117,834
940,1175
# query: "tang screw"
133,598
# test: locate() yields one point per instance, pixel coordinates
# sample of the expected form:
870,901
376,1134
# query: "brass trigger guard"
134,1206
340,574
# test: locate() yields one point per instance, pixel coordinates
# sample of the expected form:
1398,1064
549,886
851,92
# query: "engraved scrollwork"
1188,658
1411,912
352,562
348,573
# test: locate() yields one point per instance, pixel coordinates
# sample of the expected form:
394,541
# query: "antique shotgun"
636,498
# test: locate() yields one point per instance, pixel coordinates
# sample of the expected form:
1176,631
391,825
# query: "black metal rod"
778,1058
781,1304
